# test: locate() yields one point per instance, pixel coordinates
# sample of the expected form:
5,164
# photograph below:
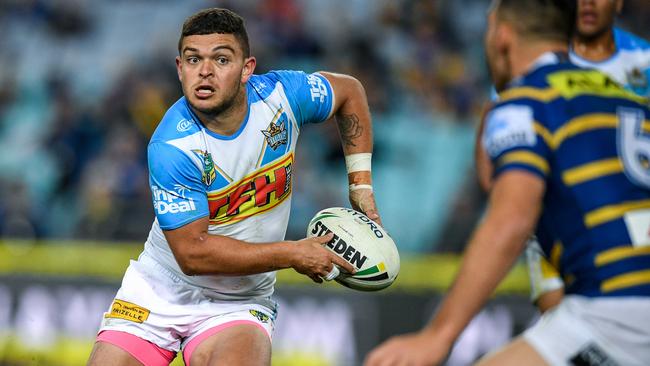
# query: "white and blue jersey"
242,182
629,66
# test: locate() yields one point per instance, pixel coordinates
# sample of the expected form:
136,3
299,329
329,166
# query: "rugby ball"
361,242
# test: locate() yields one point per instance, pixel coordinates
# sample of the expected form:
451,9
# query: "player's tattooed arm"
349,128
352,113
355,129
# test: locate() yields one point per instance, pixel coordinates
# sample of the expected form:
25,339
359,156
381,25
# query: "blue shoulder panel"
310,95
628,41
263,86
178,193
176,123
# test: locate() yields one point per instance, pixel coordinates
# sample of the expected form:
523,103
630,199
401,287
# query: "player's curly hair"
216,20
540,19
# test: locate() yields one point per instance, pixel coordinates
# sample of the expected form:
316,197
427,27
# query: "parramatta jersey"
242,182
630,65
588,138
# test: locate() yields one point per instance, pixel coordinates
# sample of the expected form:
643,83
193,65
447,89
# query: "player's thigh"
244,344
107,354
516,353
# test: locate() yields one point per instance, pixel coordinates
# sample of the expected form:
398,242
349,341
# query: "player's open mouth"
588,16
204,91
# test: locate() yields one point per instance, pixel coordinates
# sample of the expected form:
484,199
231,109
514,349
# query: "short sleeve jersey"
241,183
588,138
629,66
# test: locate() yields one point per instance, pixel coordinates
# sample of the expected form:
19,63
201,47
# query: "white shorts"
156,305
594,331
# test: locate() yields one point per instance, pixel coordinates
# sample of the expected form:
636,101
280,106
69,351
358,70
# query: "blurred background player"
597,43
221,172
570,149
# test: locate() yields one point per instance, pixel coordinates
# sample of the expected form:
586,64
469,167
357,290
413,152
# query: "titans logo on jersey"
276,134
588,138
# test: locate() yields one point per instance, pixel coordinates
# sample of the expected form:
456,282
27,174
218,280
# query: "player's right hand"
414,349
312,259
363,200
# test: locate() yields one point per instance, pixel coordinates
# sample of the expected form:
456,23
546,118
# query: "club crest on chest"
276,133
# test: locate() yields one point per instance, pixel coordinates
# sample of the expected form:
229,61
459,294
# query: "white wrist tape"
333,273
358,162
356,187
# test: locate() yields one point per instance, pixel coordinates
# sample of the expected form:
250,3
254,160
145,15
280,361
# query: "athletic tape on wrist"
359,162
356,187
333,273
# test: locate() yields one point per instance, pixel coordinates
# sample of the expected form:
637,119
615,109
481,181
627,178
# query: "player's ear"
505,34
248,69
179,67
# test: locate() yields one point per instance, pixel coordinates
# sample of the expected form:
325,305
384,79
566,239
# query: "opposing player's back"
587,137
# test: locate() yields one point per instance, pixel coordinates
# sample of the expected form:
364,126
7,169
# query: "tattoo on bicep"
349,128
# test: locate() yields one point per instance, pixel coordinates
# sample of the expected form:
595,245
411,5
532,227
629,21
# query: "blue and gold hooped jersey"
588,138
